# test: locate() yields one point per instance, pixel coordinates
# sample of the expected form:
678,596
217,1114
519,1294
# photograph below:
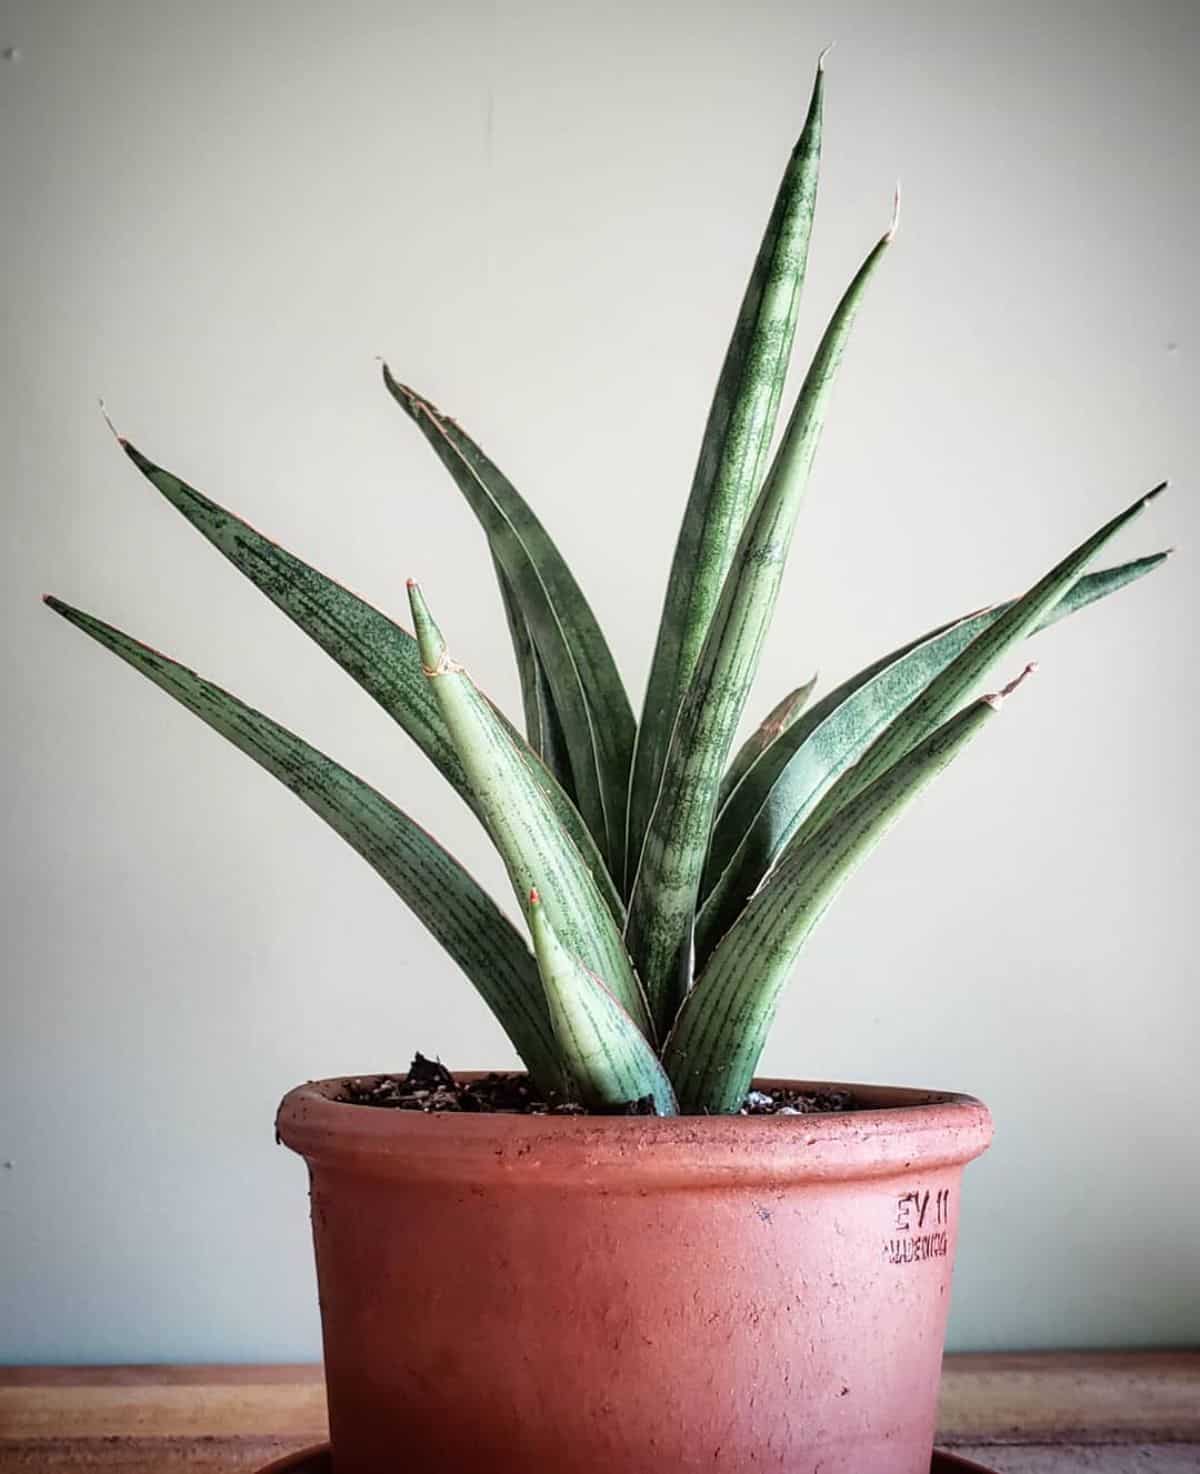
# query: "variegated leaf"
440,893
714,1047
954,684
378,653
782,786
663,901
536,849
605,1056
589,698
733,460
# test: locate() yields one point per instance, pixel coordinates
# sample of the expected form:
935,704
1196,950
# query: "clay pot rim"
898,1129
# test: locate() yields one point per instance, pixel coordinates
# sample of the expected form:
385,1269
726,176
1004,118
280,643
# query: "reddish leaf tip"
996,700
534,898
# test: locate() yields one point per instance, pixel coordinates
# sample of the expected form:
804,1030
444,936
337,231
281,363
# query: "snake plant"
667,882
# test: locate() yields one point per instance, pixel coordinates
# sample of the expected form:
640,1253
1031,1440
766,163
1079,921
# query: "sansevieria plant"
668,881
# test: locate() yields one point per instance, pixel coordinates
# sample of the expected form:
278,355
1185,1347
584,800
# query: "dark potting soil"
429,1086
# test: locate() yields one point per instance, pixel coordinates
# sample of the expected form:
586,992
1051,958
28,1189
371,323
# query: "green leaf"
378,653
782,785
715,1045
590,700
733,459
604,1054
534,846
663,901
773,727
954,684
542,726
441,894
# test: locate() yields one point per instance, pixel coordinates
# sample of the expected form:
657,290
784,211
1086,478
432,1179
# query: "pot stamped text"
921,1227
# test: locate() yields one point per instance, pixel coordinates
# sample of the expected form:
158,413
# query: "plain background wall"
217,215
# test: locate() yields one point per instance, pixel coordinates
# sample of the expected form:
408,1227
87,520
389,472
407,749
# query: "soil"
429,1086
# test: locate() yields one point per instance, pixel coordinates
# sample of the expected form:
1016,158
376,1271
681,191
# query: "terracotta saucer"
316,1461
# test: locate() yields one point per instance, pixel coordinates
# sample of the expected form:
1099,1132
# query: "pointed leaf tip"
1156,491
825,52
890,233
117,436
412,400
730,471
432,646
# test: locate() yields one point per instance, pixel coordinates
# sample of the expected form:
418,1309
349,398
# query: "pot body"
594,1294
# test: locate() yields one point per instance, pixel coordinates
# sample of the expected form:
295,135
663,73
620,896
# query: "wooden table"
1106,1412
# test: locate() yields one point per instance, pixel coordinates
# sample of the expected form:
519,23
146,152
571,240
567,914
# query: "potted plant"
636,1257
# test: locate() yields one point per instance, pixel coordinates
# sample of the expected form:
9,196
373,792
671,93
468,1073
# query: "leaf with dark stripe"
605,1056
953,685
378,653
542,726
782,785
733,459
773,727
718,1037
589,699
368,646
441,894
663,901
534,846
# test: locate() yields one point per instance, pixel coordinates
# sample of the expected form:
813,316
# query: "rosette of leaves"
667,880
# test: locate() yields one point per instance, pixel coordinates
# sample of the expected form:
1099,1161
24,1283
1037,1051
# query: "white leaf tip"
894,225
825,52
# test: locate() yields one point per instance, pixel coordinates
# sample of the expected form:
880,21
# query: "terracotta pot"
598,1294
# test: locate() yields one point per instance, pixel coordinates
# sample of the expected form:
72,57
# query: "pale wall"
217,215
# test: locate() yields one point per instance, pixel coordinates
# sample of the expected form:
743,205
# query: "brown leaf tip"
1016,681
997,698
